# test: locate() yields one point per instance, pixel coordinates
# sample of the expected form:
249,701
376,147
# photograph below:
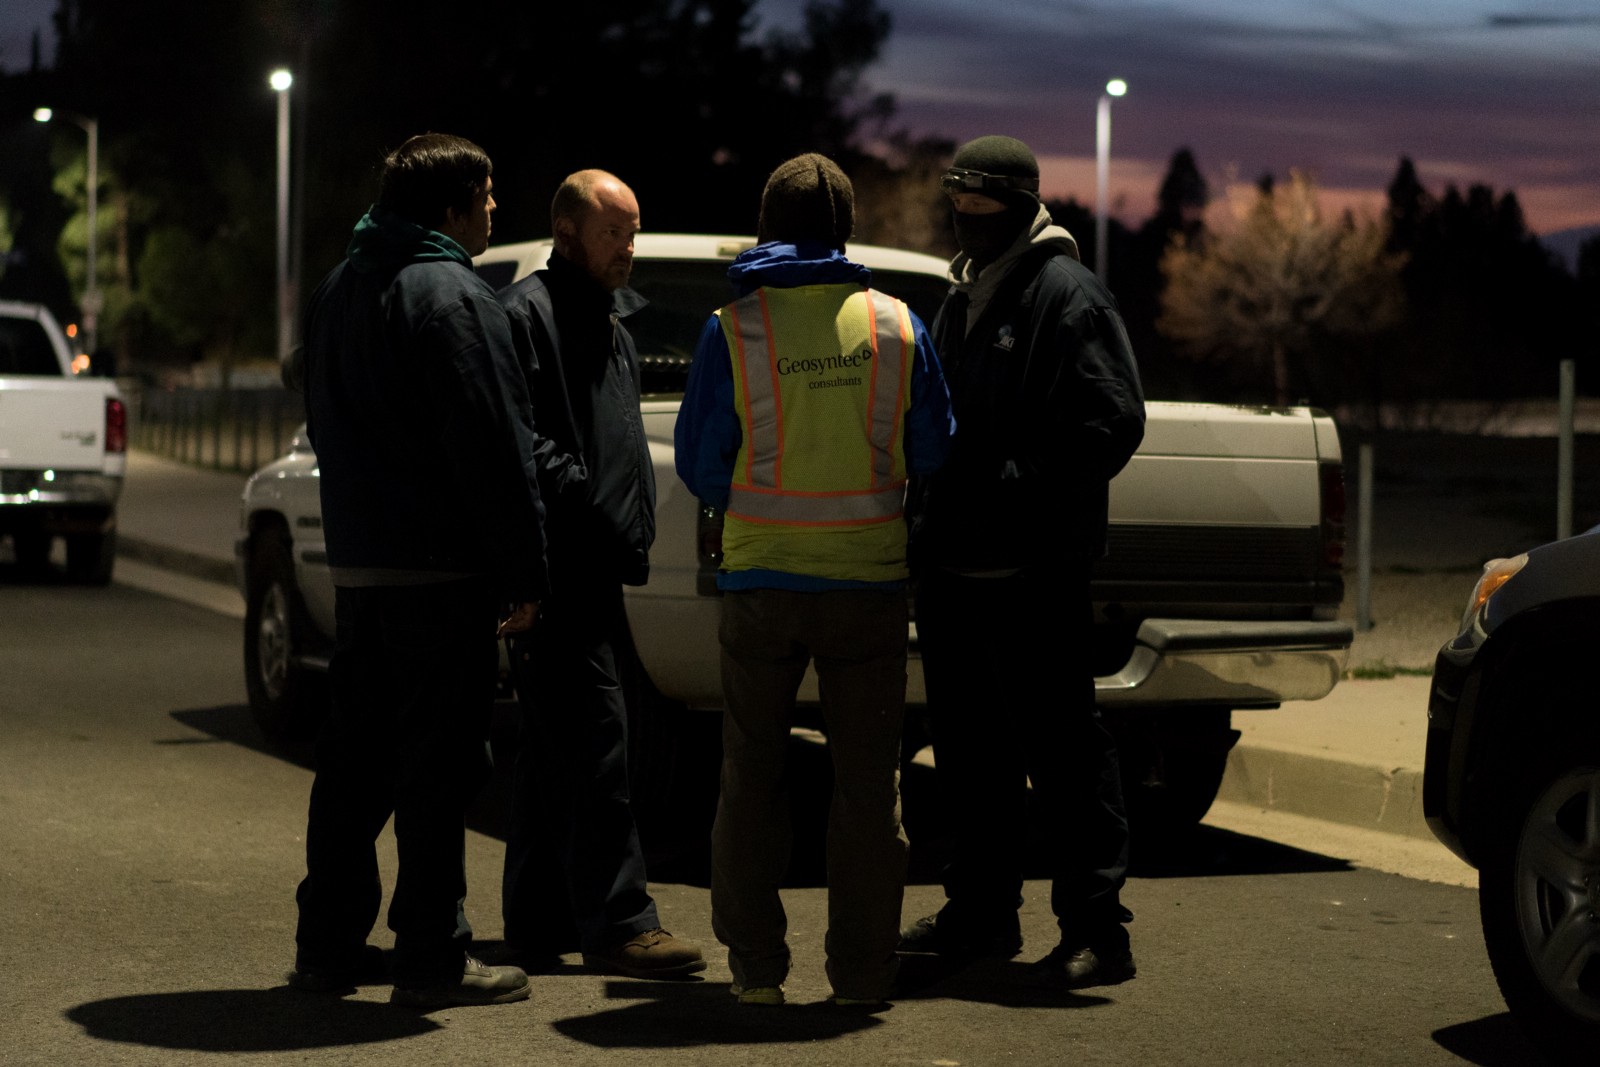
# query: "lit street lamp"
280,80
1102,171
91,290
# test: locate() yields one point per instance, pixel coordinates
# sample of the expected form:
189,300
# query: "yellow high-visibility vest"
822,384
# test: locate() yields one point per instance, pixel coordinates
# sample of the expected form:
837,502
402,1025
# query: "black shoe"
367,969
940,935
1080,968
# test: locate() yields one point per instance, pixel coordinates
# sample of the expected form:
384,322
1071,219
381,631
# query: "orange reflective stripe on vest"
822,382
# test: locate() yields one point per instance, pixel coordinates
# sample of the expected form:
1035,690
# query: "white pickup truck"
63,448
1220,591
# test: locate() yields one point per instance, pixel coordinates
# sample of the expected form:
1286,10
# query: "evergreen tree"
1181,202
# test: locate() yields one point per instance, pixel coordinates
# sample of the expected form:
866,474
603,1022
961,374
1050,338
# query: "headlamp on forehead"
961,180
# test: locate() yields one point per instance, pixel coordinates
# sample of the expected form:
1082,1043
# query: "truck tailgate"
51,423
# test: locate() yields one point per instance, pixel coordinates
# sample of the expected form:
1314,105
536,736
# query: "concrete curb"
179,561
1343,791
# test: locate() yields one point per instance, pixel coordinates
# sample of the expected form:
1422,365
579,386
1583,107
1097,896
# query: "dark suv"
1512,781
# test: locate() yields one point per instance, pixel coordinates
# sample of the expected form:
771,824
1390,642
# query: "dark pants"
413,689
1011,699
574,872
857,641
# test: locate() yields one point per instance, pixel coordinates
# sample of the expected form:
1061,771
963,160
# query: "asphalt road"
150,844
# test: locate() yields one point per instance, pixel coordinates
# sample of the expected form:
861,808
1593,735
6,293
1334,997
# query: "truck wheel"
90,557
1539,901
288,700
1172,766
32,550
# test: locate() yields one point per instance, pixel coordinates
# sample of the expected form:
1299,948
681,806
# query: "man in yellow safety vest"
810,400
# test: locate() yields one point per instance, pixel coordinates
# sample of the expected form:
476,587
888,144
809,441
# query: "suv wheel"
287,700
1539,897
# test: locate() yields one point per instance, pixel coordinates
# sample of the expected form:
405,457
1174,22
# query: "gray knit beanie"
808,199
1003,157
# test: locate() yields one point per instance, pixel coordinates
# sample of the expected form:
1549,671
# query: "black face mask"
985,238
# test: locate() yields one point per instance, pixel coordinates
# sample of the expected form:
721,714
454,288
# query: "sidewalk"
1354,757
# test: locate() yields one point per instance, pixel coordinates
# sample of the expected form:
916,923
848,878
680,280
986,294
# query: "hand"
520,619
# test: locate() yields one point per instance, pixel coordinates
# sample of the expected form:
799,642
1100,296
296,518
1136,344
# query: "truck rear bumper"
1229,664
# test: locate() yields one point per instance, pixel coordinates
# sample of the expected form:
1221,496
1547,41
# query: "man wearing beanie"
810,400
1047,400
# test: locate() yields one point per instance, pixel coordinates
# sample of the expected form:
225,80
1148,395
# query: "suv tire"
289,701
1539,898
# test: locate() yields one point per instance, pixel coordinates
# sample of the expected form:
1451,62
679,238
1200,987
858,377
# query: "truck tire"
32,551
1539,902
287,699
91,557
1172,762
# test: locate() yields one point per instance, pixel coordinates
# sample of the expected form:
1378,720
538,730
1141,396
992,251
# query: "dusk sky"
1500,92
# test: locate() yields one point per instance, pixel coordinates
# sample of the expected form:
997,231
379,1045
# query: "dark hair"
430,173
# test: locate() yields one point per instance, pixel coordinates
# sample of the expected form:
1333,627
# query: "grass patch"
1382,671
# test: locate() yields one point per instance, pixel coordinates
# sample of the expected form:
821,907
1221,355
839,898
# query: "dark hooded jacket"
1048,409
598,485
419,415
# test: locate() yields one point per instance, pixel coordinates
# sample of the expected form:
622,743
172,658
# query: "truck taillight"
1333,509
116,425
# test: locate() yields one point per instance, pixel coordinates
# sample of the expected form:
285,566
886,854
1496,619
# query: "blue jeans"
408,736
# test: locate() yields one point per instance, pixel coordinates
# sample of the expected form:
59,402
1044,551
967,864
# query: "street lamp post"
280,81
91,288
1102,171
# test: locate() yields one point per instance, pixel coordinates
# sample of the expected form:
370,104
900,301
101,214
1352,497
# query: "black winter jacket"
419,415
595,475
1048,409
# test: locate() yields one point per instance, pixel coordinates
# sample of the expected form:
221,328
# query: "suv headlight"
1496,573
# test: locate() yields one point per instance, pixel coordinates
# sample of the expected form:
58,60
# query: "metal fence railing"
224,429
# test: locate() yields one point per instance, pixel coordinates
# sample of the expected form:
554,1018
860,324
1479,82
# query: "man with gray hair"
575,872
810,400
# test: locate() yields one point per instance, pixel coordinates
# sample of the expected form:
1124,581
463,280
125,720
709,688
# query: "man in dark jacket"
1048,409
431,514
574,872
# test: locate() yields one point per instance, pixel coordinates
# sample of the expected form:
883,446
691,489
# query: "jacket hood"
383,242
980,285
786,266
1042,231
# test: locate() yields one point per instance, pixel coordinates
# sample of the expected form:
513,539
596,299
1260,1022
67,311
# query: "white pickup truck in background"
1221,589
63,448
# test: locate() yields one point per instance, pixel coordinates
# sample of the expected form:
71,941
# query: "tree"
1181,203
1491,310
689,100
898,199
1269,292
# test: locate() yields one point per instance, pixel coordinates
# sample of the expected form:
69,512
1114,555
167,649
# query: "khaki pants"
857,640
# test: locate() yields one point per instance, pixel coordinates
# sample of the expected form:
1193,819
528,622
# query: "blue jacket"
419,415
708,433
